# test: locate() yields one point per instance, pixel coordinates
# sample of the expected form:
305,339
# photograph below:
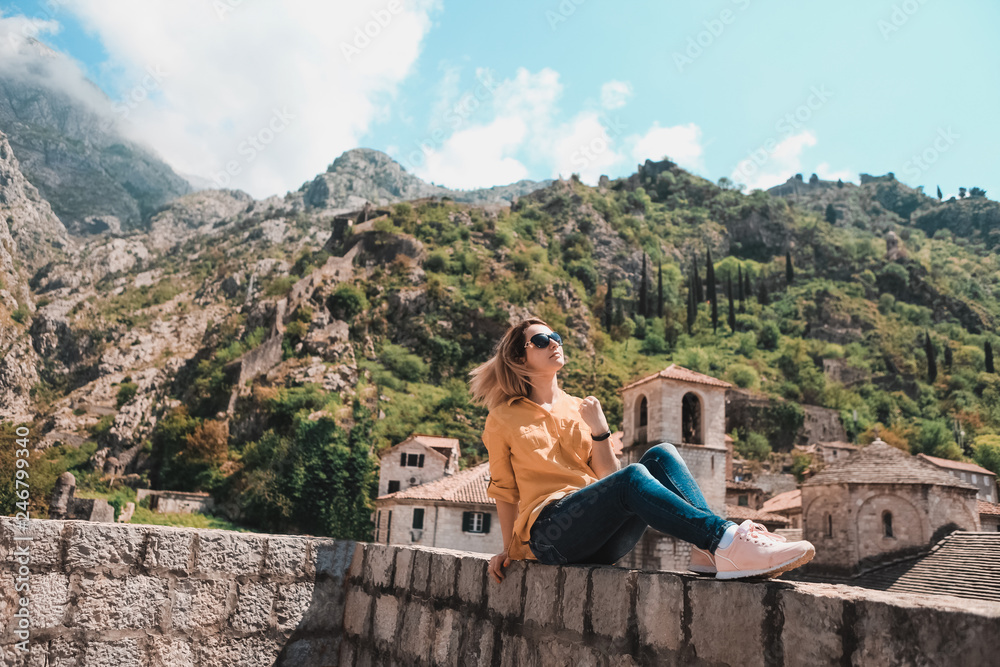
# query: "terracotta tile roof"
675,372
784,501
837,444
957,465
989,509
881,463
739,513
748,486
467,486
965,564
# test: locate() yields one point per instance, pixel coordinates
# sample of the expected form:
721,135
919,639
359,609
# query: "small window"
420,461
412,460
744,500
388,527
418,517
829,525
975,478
476,522
393,485
378,524
402,459
887,524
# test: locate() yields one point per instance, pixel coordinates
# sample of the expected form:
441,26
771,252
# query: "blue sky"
748,90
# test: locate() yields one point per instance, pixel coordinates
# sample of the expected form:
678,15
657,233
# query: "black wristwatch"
601,437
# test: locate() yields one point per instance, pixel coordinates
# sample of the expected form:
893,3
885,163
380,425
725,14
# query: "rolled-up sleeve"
503,485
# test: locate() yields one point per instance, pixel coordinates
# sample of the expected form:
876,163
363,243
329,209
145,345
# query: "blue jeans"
603,521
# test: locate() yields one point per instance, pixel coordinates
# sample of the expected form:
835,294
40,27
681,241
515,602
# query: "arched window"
691,420
641,420
643,412
887,523
829,525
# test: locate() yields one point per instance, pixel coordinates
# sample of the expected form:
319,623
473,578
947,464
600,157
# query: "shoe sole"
769,572
703,570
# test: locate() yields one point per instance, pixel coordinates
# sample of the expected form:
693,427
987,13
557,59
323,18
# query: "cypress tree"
747,290
699,294
831,214
948,358
659,290
762,297
620,314
643,291
789,271
988,349
739,287
691,312
931,358
712,294
609,306
732,310
940,196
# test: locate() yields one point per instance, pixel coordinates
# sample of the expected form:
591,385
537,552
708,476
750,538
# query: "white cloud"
586,147
226,75
766,168
680,143
614,94
825,172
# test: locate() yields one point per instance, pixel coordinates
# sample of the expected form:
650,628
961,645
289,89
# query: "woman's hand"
593,415
497,563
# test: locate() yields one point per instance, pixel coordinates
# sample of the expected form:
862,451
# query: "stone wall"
123,595
129,595
423,606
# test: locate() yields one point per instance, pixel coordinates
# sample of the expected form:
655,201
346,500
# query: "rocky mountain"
365,174
64,132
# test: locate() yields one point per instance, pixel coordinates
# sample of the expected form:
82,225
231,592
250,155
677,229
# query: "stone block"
232,554
48,599
813,620
505,597
286,556
472,574
557,653
169,550
357,613
447,633
573,602
253,607
477,642
332,557
609,600
293,604
713,605
442,575
97,545
386,611
515,651
417,631
541,594
44,548
421,571
200,603
170,652
123,603
659,610
316,652
357,559
121,653
250,651
404,567
378,564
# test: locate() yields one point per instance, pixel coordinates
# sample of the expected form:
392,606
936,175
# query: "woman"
562,496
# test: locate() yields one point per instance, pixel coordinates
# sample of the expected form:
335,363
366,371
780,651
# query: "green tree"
659,290
931,352
347,301
762,295
692,311
643,290
732,309
739,289
986,452
609,306
789,271
988,349
712,294
940,196
831,214
699,294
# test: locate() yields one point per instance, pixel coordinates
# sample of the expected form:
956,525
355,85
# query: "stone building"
417,460
788,505
881,503
453,512
989,516
985,480
829,452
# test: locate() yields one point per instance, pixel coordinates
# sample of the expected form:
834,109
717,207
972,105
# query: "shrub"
126,392
753,445
654,343
436,261
403,363
746,343
21,314
347,301
744,376
769,336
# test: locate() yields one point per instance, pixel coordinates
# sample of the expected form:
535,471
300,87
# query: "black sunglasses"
541,340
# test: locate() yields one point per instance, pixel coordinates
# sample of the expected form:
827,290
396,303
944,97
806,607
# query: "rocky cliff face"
363,174
70,149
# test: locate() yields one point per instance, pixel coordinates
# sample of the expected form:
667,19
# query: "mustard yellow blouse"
536,456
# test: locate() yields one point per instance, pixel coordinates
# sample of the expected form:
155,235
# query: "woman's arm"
508,515
602,457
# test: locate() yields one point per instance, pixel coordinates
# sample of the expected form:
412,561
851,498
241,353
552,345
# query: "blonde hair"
504,375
